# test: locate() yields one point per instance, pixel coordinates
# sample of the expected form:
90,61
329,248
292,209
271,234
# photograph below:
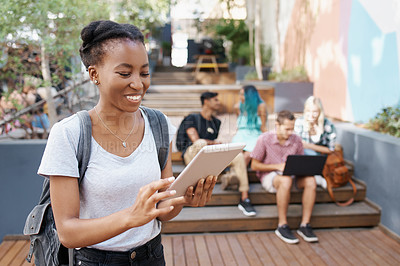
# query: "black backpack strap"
40,221
83,153
159,127
83,156
85,141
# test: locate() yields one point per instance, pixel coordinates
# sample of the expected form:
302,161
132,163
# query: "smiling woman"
114,216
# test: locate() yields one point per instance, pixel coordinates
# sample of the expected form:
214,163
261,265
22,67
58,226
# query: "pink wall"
317,40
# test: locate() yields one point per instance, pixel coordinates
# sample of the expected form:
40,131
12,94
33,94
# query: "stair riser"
174,112
172,83
267,224
181,104
270,198
172,97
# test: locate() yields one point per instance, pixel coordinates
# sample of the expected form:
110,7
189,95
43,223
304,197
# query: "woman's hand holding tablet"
201,173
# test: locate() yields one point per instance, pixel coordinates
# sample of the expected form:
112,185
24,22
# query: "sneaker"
307,233
320,180
284,233
246,207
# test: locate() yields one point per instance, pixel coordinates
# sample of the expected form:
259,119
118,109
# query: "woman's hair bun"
97,32
88,33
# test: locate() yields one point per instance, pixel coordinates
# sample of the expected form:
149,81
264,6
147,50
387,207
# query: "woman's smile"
134,98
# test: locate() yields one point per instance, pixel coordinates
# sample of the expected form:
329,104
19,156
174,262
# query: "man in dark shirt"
198,126
201,129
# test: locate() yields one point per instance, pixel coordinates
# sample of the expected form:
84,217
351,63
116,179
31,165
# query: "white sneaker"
320,180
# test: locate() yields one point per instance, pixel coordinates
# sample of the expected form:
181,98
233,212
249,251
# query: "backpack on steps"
337,175
45,245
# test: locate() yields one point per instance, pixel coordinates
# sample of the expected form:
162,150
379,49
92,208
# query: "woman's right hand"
145,207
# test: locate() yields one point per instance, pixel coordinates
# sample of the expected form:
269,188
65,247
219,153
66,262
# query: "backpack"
40,226
336,175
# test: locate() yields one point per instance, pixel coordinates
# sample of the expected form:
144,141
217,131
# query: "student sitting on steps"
316,131
268,159
201,129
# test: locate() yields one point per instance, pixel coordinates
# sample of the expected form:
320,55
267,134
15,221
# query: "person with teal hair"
252,119
251,122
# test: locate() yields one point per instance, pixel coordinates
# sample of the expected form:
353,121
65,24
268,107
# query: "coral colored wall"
351,50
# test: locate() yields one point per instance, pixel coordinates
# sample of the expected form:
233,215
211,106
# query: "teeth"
134,98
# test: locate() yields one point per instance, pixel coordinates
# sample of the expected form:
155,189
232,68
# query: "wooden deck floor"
336,247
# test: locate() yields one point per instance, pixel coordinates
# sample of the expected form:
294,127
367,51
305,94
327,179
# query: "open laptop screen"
304,165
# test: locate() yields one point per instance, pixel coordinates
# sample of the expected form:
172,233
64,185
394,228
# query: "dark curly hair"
95,35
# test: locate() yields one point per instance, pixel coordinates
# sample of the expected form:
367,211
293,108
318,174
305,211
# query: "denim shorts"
151,253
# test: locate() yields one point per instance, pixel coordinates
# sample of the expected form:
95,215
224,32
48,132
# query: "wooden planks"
336,247
13,252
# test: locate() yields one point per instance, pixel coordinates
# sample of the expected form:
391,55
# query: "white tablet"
211,160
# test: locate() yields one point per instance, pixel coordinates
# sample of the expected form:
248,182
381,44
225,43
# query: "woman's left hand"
199,196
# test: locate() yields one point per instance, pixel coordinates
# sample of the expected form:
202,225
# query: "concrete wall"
376,160
20,185
291,95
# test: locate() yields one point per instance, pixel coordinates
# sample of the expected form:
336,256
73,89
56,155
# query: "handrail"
39,103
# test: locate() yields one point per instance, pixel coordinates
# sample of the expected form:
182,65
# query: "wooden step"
172,103
178,111
172,82
230,218
259,196
172,74
172,96
172,78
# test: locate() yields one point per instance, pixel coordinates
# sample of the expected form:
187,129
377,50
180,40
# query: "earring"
96,82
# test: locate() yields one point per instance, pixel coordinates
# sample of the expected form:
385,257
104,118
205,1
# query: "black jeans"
151,253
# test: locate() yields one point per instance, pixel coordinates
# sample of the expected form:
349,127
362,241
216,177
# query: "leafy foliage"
251,75
26,25
266,55
148,15
235,31
297,74
387,121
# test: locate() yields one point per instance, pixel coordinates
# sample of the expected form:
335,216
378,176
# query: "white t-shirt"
111,183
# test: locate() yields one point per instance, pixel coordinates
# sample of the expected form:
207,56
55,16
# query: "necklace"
115,135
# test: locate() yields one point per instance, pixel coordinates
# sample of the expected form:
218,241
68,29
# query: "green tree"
235,31
53,27
145,14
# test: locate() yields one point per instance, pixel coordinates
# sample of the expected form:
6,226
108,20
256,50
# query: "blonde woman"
317,132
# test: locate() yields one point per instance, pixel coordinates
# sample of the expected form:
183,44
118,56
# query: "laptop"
304,165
